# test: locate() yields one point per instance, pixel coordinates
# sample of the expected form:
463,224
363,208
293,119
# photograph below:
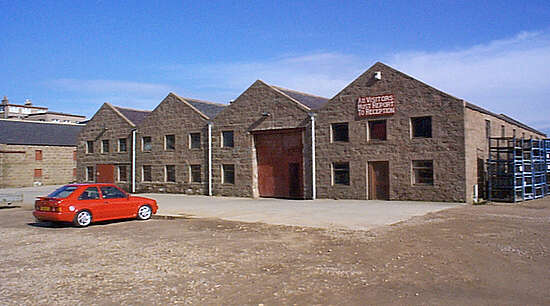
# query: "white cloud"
506,76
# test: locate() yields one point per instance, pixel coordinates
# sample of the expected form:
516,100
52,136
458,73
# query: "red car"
83,204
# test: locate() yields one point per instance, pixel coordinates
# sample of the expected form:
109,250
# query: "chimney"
5,101
28,102
4,104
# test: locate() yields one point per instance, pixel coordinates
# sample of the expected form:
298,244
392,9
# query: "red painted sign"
376,105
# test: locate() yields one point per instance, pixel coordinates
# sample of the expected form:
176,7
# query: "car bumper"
53,216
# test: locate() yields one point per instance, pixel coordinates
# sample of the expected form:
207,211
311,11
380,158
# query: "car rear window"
62,192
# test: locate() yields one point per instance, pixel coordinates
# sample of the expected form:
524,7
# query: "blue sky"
72,56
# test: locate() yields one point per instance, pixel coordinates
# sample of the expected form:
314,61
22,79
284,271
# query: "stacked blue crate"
506,170
547,162
538,153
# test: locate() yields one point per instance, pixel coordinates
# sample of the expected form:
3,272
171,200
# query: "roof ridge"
203,101
132,109
41,122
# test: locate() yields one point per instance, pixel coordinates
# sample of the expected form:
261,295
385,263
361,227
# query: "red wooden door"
279,159
105,173
379,181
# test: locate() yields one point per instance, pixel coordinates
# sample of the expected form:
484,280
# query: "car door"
117,203
89,199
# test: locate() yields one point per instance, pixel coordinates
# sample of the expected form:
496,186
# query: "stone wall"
107,123
477,144
244,116
18,164
173,116
413,99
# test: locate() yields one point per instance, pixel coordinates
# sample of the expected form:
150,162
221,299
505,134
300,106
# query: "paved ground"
468,255
338,214
342,214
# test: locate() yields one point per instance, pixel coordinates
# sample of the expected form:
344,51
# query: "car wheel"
83,218
144,212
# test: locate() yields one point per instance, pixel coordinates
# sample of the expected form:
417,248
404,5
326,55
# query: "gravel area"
492,254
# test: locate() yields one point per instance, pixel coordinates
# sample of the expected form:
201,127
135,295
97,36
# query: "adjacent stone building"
384,136
33,153
105,144
173,146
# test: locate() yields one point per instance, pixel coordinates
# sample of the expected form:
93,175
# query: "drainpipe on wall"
133,160
210,158
313,175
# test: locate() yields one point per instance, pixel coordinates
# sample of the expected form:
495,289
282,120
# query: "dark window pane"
146,143
170,173
228,174
377,129
423,172
340,132
341,173
195,140
90,174
122,173
147,174
91,193
110,192
422,127
170,142
196,173
89,146
105,146
122,145
228,139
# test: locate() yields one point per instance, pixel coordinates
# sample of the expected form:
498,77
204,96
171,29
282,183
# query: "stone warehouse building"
37,153
385,136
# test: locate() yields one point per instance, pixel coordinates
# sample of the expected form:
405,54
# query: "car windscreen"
62,192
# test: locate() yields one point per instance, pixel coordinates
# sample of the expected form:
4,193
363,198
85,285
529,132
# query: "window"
487,128
89,146
89,174
340,173
38,154
195,140
37,173
74,172
195,171
502,131
90,193
227,139
170,173
377,130
340,132
122,145
146,143
105,146
423,172
111,192
170,142
228,174
74,155
146,174
62,192
421,127
122,173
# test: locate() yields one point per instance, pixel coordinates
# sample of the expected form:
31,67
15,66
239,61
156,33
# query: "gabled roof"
210,109
309,100
135,116
38,133
206,108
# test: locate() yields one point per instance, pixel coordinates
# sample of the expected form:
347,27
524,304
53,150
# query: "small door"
116,203
379,181
105,173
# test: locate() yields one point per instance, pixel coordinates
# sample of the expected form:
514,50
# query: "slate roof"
311,101
210,109
134,115
38,133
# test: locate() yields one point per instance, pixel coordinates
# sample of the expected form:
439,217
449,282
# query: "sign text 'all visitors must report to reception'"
376,105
